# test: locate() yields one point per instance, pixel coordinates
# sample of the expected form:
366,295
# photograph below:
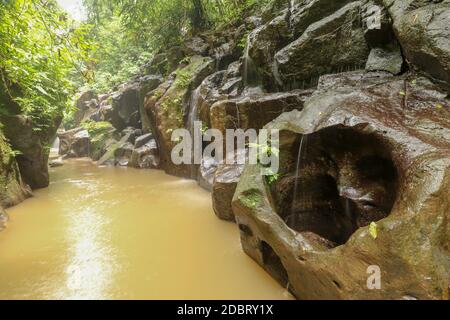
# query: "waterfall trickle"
250,76
300,157
194,103
238,117
247,60
54,150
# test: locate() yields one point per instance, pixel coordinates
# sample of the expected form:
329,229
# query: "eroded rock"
381,59
12,189
422,30
85,103
323,48
166,110
254,111
145,156
33,157
225,183
123,154
374,152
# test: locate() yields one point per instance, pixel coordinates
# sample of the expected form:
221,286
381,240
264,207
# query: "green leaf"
373,230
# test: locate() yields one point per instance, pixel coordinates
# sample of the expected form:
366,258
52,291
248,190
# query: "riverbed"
112,233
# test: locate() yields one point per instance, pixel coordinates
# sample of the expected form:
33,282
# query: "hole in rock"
334,182
246,230
273,263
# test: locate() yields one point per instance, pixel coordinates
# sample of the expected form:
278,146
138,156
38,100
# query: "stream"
112,233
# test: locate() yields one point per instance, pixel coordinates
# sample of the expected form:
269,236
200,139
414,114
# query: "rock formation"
377,154
359,90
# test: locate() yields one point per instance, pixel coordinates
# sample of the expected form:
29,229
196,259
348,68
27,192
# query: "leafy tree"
127,32
39,48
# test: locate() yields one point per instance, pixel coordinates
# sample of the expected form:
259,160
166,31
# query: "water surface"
110,233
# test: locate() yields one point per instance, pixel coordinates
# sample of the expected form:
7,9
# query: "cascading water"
300,157
192,119
54,150
250,77
247,61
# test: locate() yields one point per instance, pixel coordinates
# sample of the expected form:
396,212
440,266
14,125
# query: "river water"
111,233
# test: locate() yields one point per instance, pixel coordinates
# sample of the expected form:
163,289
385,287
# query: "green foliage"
373,230
117,58
272,178
39,48
97,128
128,32
99,133
251,200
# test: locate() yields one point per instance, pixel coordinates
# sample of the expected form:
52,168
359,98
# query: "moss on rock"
12,190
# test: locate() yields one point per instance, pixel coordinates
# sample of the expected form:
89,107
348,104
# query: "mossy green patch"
99,133
10,181
251,199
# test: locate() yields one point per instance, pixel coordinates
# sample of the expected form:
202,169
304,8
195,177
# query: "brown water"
108,233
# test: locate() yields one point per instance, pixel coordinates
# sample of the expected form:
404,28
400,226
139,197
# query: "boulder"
108,158
323,48
147,84
422,29
262,44
381,59
140,141
125,107
304,13
254,111
74,143
196,46
65,140
145,156
123,154
80,144
222,85
84,106
226,179
363,185
156,66
32,145
206,172
129,132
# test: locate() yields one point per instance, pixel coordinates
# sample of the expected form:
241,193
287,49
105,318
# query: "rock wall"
359,90
12,189
375,157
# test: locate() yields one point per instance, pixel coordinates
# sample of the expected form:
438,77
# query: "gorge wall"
362,103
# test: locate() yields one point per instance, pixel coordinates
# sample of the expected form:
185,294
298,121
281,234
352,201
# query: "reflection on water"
109,233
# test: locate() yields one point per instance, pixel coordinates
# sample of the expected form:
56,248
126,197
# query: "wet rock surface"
165,106
376,153
254,111
12,189
32,145
85,105
322,48
145,156
364,167
381,59
422,30
226,179
74,143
